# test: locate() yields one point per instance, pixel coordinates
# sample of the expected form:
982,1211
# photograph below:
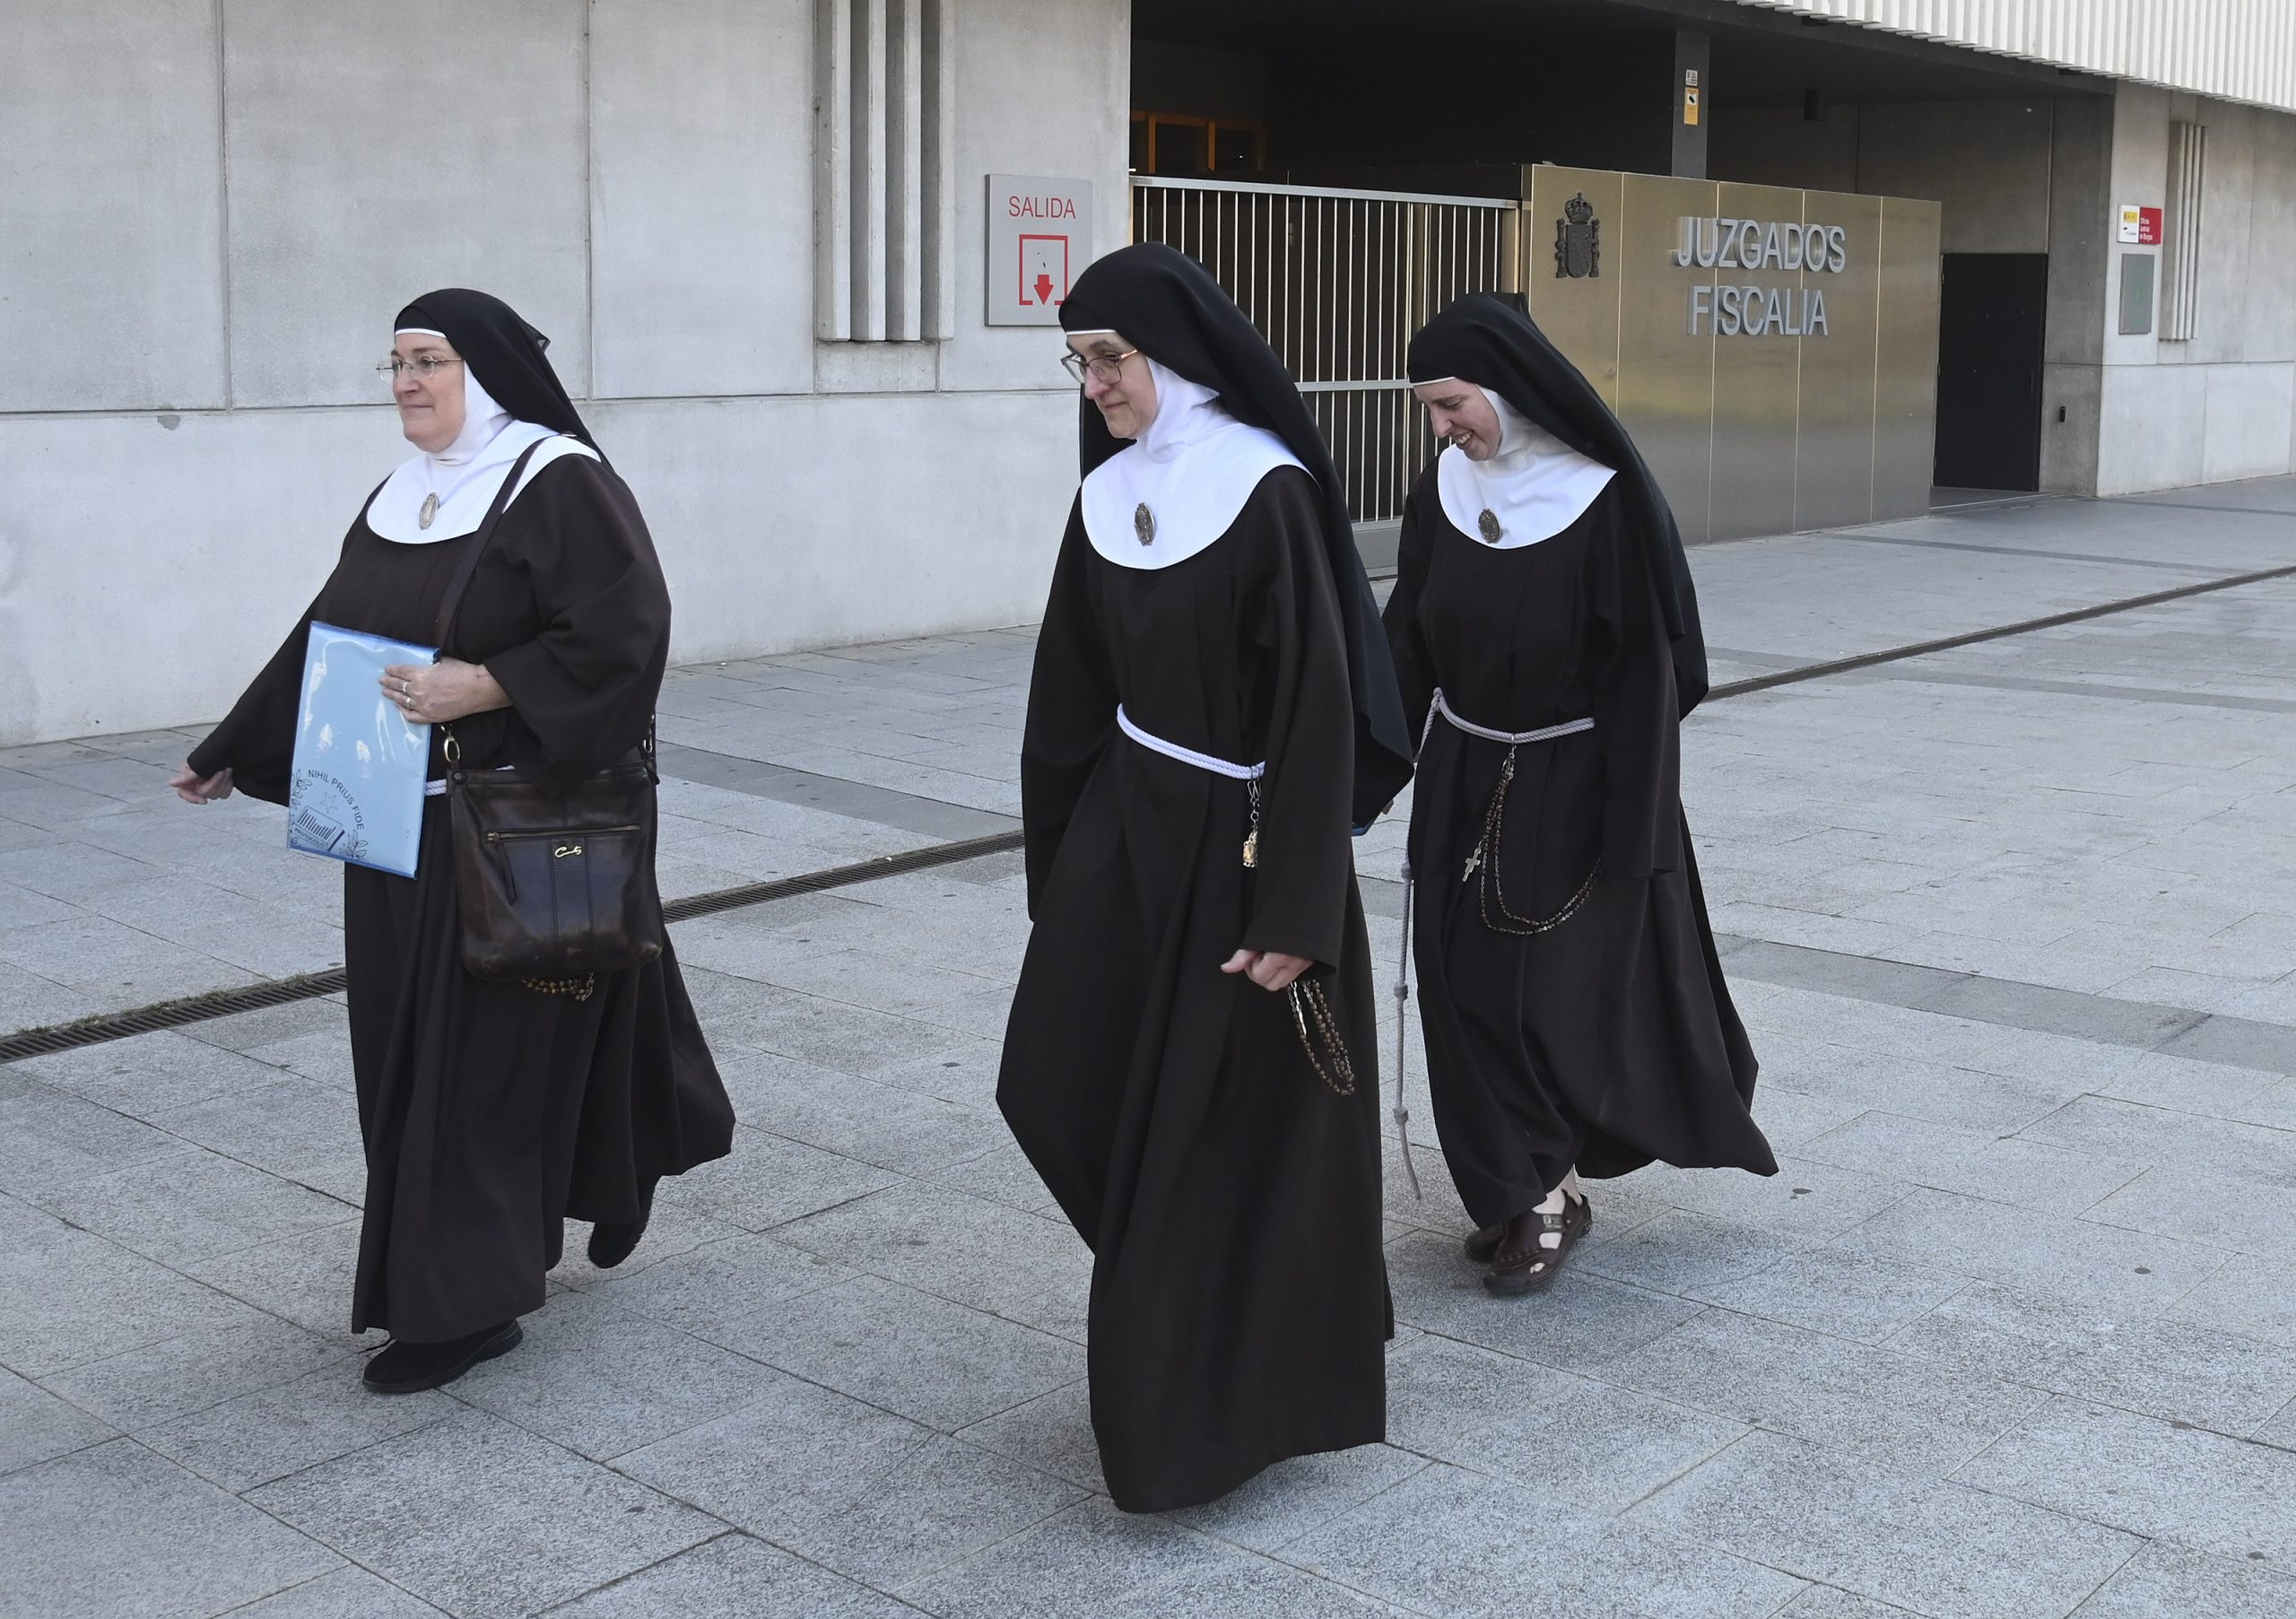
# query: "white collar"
465,476
1190,473
1535,487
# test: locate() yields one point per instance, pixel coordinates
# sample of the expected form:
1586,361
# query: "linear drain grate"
199,1008
311,986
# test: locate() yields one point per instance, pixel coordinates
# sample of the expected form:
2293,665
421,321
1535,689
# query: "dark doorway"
1992,310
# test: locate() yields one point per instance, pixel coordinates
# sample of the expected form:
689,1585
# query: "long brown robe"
492,1112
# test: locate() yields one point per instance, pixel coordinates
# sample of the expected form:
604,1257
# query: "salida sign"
1039,236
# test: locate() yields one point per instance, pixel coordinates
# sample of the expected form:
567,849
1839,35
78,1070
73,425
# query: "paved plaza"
2011,1335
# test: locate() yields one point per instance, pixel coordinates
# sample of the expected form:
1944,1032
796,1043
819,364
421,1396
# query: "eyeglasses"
1105,368
425,366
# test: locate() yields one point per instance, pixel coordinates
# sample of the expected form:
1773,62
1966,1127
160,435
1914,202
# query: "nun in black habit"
1189,1062
1545,635
491,1111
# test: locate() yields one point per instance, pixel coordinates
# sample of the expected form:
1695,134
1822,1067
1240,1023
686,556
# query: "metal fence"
1338,281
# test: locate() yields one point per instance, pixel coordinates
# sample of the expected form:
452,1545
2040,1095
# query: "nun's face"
1128,404
430,406
1459,411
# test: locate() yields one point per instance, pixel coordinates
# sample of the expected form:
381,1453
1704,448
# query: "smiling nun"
1545,635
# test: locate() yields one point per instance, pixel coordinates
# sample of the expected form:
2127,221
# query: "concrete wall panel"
208,538
111,283
1040,90
2151,427
377,151
2251,414
1987,162
774,540
701,196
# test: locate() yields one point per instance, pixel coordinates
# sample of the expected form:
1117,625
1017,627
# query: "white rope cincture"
1201,762
1568,727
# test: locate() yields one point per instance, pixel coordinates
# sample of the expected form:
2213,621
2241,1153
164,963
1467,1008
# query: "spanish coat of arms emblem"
1578,241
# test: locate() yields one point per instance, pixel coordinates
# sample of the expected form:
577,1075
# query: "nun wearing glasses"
491,1109
1189,1063
1545,635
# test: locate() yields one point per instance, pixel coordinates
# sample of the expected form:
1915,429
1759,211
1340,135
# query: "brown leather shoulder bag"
553,887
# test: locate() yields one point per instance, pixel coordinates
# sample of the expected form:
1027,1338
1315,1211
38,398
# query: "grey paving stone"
70,1298
965,1073
192,1205
939,1362
148,1075
2165,1480
768,1181
348,1593
1242,1584
940,1242
735,1574
49,1139
886,1125
1446,1541
1937,1548
851,1040
1682,1252
1590,1447
1964,1098
1831,1290
851,1485
286,1427
35,1425
1300,1494
204,1366
2253,1297
2227,1211
305,1279
716,1291
1086,1558
2026,1249
2163,1136
1052,1433
299,1129
1874,1404
1002,1175
1828,1602
2161,1366
1582,1323
116,1530
601,1383
1978,1165
475,1514
2165,1581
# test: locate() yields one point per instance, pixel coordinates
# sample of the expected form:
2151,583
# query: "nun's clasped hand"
447,690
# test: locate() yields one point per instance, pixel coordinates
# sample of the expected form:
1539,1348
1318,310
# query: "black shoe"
614,1240
403,1368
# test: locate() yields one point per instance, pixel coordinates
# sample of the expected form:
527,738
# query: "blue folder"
356,793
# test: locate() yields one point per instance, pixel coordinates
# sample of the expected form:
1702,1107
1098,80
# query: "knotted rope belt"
1310,1010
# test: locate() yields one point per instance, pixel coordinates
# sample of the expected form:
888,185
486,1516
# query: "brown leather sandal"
1533,1267
1481,1244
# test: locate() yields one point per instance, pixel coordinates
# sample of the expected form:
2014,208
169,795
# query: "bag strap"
452,601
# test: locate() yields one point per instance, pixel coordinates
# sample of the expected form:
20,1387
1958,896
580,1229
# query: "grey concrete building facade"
755,231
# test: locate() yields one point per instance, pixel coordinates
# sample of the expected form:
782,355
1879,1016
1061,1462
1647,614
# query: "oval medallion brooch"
1144,523
429,509
1488,524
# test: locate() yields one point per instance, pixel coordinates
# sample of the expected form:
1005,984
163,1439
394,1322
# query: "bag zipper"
571,847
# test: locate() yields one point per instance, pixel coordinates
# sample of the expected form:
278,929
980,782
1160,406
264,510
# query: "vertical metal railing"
1338,281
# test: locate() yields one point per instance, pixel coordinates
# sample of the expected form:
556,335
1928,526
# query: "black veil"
503,353
1166,303
1485,339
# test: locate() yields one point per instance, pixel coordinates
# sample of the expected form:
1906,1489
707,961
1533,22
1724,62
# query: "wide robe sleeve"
1636,724
1414,661
1072,709
1305,863
256,739
584,687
